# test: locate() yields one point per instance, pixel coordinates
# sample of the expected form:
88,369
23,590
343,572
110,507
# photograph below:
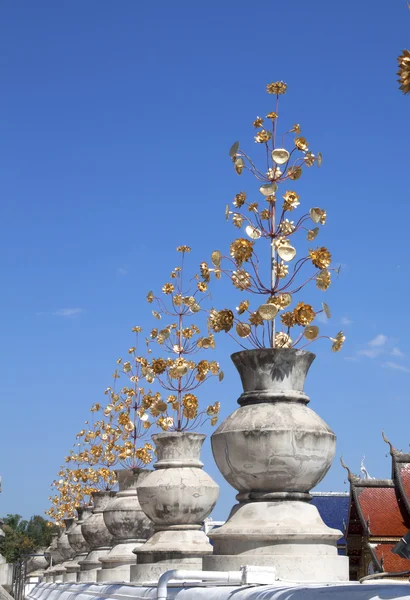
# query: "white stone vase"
128,524
97,537
177,496
273,450
54,572
77,543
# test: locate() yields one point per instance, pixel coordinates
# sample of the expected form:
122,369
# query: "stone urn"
273,450
177,496
128,524
97,537
77,543
54,572
37,564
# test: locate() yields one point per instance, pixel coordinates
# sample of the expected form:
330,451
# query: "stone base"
89,576
288,535
71,577
170,549
120,574
116,564
152,571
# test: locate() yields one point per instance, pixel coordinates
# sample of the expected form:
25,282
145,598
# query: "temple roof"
333,507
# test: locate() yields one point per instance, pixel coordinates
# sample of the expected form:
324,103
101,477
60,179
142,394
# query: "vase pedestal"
273,450
288,535
177,496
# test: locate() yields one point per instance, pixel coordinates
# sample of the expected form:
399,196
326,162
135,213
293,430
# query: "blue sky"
115,123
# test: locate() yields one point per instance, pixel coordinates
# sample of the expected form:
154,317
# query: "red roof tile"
380,511
392,563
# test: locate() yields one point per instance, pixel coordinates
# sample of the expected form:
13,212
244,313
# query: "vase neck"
178,449
273,375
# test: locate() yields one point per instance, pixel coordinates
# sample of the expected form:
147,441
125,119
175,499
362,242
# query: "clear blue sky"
115,122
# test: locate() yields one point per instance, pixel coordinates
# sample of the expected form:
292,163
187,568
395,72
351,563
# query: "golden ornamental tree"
173,376
264,318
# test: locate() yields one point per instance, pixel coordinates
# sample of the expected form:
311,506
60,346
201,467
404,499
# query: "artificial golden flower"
177,300
281,269
206,342
150,297
187,333
281,301
304,314
338,341
243,306
404,71
323,280
277,88
241,279
291,200
283,340
240,200
213,409
202,287
214,421
288,319
271,199
204,270
202,367
255,319
165,423
321,257
237,220
159,365
178,368
253,207
309,159
295,173
296,128
272,115
301,144
168,288
241,250
258,122
264,214
183,249
263,136
154,333
287,227
221,320
136,329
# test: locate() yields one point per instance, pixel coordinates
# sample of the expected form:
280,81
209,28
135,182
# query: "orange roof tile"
380,510
392,563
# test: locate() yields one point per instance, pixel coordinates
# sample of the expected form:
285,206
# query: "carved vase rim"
168,434
295,351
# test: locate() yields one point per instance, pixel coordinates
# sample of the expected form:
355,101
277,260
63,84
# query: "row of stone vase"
273,450
137,535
